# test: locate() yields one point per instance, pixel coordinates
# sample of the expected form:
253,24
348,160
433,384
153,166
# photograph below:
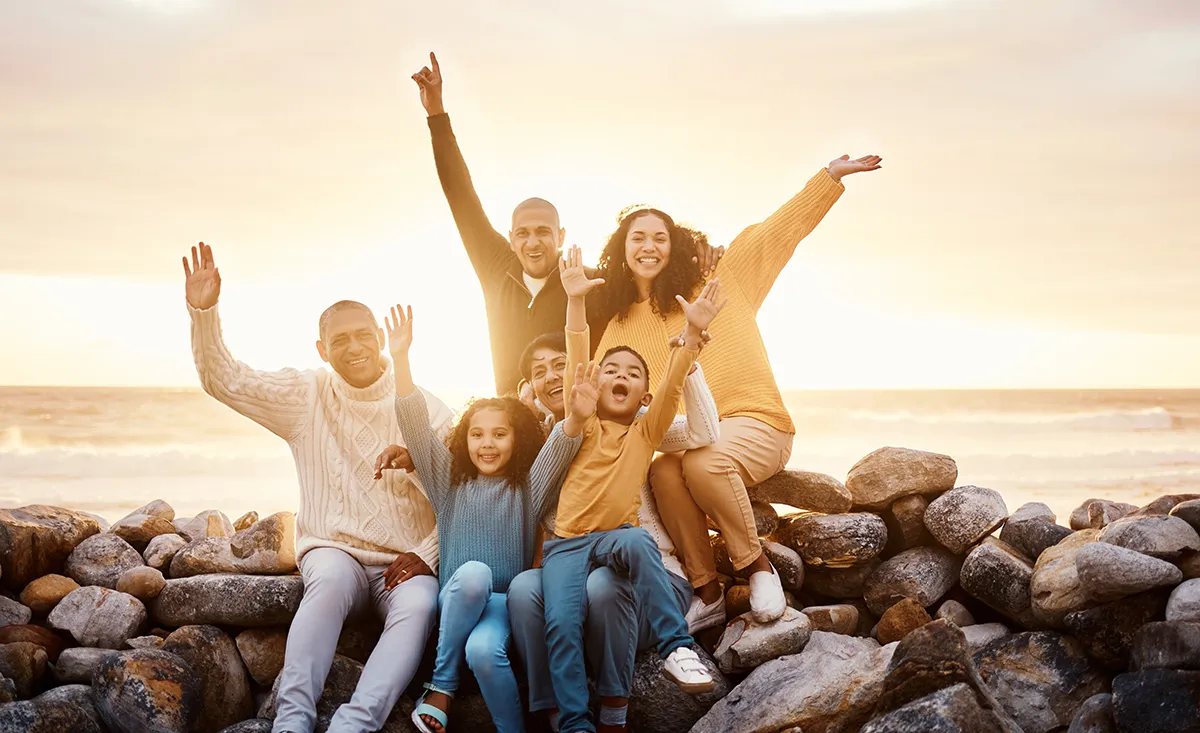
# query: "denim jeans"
474,627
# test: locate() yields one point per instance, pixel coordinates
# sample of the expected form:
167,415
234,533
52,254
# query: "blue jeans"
615,629
474,626
568,562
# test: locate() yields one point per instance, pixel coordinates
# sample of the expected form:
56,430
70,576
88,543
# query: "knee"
485,651
638,540
525,594
666,474
330,574
473,580
605,593
699,464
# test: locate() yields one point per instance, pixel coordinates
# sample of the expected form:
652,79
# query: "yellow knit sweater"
736,362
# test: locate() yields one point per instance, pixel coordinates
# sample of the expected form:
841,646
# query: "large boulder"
224,688
1188,511
900,620
1041,678
267,547
1164,537
837,540
1184,604
228,600
211,523
43,594
1031,529
145,523
99,617
657,704
955,709
1164,505
25,664
999,576
841,618
52,641
846,583
1055,589
787,563
1157,701
980,635
66,709
887,474
923,573
161,550
963,516
14,613
100,560
262,652
78,664
745,644
830,686
146,690
36,540
814,492
1099,513
1107,631
1166,645
1110,572
1094,716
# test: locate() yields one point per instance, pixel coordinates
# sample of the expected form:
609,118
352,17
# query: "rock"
268,547
23,663
1099,513
746,644
100,560
1094,716
837,619
980,635
211,523
361,633
262,651
1188,511
339,687
906,523
963,516
1157,701
1184,604
245,521
657,704
837,540
737,601
952,710
923,573
202,557
99,617
766,519
1110,572
142,583
1031,529
13,612
146,690
43,594
8,691
830,686
999,576
721,555
787,563
839,582
1040,677
901,619
67,709
1163,505
145,642
228,600
814,492
76,665
36,540
1055,589
1107,631
956,613
145,523
254,725
1166,645
1190,565
162,549
888,474
51,641
1164,537
224,688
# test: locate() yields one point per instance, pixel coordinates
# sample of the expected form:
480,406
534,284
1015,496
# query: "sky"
1031,226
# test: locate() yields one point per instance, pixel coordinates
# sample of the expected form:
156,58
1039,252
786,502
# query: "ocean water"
110,450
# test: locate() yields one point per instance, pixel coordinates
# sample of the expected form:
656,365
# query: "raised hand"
708,258
429,79
399,330
574,278
843,166
701,311
203,280
585,392
393,457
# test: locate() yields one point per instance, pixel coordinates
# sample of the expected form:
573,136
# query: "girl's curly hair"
528,437
681,276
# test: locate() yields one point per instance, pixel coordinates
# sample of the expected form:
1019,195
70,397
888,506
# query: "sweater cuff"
826,180
428,551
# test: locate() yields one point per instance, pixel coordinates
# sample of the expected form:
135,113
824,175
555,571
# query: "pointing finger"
433,61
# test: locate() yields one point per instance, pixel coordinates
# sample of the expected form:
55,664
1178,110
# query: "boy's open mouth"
620,391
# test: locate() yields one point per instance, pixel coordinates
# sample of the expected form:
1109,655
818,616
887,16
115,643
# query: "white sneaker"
766,596
685,669
701,615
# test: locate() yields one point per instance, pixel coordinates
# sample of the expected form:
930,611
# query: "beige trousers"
712,481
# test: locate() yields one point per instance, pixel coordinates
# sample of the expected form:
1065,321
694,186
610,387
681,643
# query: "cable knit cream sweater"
336,432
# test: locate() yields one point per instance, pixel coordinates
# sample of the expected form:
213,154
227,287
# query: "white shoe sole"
692,688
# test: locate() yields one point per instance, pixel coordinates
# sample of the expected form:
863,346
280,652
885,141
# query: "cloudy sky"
1030,227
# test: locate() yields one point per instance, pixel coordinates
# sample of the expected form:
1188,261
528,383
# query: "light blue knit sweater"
484,519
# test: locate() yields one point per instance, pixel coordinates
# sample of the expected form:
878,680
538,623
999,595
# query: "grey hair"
338,307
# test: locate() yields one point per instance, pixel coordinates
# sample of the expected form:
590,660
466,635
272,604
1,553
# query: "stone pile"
916,604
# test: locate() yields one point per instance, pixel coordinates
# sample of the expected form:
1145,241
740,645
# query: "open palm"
844,166
701,312
203,280
585,393
399,329
574,278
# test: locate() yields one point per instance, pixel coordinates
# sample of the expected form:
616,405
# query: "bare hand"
429,79
708,258
843,166
406,566
574,278
680,340
393,457
701,311
203,280
399,330
585,392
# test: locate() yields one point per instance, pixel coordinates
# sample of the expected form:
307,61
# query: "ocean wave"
1148,419
14,442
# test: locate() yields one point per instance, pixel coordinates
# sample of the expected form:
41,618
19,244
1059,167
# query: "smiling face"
647,248
352,343
490,441
624,386
536,237
547,366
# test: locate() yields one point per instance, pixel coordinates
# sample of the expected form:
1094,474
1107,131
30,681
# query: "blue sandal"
425,709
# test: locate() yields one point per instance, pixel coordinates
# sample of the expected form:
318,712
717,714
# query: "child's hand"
574,279
586,391
701,312
393,457
399,330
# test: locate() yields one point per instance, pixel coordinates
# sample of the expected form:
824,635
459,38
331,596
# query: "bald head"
536,237
537,205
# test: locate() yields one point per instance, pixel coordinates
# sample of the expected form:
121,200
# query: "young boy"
598,505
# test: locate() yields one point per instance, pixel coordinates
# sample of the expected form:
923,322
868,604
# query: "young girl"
489,489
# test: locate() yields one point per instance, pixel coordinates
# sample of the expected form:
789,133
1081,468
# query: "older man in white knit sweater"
361,543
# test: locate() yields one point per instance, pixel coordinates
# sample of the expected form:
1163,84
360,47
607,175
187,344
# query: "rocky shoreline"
917,604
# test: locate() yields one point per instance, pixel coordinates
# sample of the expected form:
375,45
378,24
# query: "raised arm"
700,425
761,251
279,401
550,468
488,249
